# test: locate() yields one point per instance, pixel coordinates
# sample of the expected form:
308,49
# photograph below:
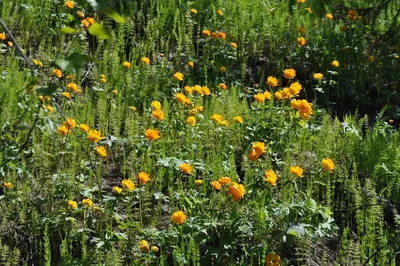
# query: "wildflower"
72,86
57,73
7,185
236,191
96,209
102,151
190,64
185,168
267,95
178,76
222,86
219,12
193,112
193,11
115,92
272,82
158,114
103,79
300,1
70,123
63,130
295,88
145,60
223,180
206,33
327,165
37,62
301,29
144,246
132,108
10,44
335,63
84,127
308,10
178,217
155,105
273,260
352,14
238,120
117,189
69,4
216,185
2,36
296,170
94,136
304,108
191,120
49,108
80,14
66,94
216,118
205,91
127,64
72,204
87,203
329,16
289,73
271,177
224,123
143,178
301,41
391,121
197,89
222,69
198,182
154,249
233,45
318,76
188,90
199,108
152,134
256,150
182,98
128,184
371,58
278,95
259,97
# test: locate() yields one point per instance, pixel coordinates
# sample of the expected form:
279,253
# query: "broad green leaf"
67,30
73,63
113,14
49,90
97,30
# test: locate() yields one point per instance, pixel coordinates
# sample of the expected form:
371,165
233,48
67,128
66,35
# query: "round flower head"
144,246
327,165
289,73
270,177
143,178
185,168
152,134
296,170
178,217
236,191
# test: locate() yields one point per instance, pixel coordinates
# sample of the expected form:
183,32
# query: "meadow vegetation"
246,132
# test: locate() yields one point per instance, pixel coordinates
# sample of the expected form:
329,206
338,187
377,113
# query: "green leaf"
73,63
113,14
98,5
67,30
49,90
22,126
97,30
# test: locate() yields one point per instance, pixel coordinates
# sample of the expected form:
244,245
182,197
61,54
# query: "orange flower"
84,127
57,73
301,41
335,63
219,12
223,180
190,64
185,168
256,150
289,73
191,120
178,76
272,260
102,151
128,184
329,16
296,170
271,177
66,94
73,87
216,185
259,97
117,189
182,98
238,119
7,185
217,118
221,35
152,134
144,246
198,182
327,165
69,4
236,191
155,105
2,36
272,82
63,130
193,11
143,178
126,64
70,123
233,45
222,69
267,95
318,76
295,88
178,217
222,86
87,202
145,60
308,10
94,136
206,33
158,114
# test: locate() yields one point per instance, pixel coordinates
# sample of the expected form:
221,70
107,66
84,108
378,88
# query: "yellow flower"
198,182
193,11
155,105
178,76
115,92
238,120
193,112
158,114
222,86
87,202
259,97
36,62
178,217
391,121
144,246
57,73
219,12
126,64
132,108
63,130
295,88
271,177
2,36
272,82
224,123
371,58
272,260
103,79
217,118
296,170
80,14
128,184
72,204
223,180
70,123
96,209
152,134
216,185
69,4
94,135
206,33
191,120
267,95
117,189
318,76
300,1
72,86
278,95
301,41
256,150
329,16
102,151
145,60
188,90
49,108
236,191
199,108
234,45
10,44
66,94
185,168
335,63
327,165
289,73
308,10
304,108
222,69
190,64
7,185
182,98
154,248
205,91
84,127
143,178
